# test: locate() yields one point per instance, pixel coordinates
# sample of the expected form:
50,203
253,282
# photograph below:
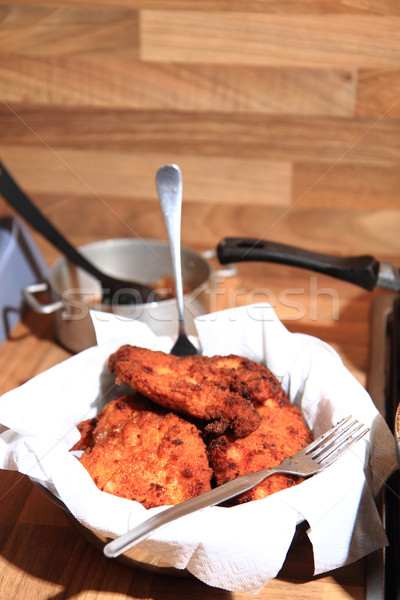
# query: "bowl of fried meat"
184,426
189,424
138,429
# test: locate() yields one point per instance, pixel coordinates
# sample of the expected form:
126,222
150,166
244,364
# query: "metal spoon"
116,291
169,188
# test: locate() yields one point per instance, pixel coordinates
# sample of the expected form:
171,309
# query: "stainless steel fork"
169,188
313,458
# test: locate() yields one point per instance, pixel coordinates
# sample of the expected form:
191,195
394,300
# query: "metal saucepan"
71,292
364,271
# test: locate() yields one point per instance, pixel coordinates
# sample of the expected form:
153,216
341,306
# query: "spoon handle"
169,187
16,198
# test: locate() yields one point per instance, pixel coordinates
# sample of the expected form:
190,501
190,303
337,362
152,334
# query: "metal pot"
73,293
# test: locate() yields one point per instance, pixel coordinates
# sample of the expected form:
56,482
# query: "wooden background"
284,117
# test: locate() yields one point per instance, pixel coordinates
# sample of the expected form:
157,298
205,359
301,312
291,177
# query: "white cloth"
238,548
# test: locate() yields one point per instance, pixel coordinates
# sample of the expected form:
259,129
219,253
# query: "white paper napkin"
238,548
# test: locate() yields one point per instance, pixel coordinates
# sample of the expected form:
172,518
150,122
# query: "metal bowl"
135,557
73,292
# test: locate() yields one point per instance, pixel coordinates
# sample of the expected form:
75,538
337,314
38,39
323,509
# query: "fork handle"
216,496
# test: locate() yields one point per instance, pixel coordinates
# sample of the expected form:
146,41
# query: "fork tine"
344,445
335,436
326,437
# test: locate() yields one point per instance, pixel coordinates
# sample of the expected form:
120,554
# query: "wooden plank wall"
284,117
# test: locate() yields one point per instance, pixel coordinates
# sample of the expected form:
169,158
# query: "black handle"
16,198
360,270
24,206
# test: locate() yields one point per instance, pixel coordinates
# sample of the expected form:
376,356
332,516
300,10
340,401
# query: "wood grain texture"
347,187
50,31
327,141
378,93
229,180
363,7
246,38
285,119
106,81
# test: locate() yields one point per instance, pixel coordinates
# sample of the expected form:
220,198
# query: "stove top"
383,566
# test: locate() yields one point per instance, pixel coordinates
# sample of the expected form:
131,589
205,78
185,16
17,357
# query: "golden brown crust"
135,449
250,379
196,385
85,428
282,433
145,455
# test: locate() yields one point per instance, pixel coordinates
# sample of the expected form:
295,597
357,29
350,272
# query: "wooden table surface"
284,117
43,557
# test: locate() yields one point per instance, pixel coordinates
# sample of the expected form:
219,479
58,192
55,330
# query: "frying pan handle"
360,270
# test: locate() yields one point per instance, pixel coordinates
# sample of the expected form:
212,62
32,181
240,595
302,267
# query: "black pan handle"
359,270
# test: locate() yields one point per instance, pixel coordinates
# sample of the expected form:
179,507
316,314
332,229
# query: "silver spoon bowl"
169,188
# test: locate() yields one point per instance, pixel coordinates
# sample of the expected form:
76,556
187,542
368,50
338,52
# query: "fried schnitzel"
201,386
249,379
85,428
139,452
282,433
